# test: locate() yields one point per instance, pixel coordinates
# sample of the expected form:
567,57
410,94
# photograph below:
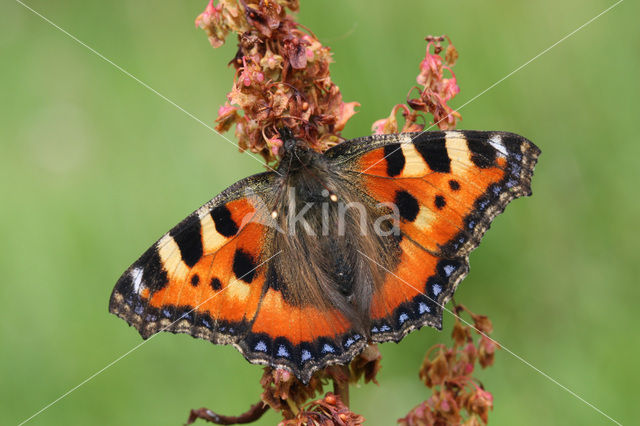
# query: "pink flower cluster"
328,411
432,97
285,393
282,77
457,397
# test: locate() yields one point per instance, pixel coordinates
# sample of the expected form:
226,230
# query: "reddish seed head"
436,91
284,79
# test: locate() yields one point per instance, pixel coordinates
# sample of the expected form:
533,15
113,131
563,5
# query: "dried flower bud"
436,91
366,364
479,403
328,411
282,390
457,397
482,323
282,77
451,55
461,334
227,116
486,351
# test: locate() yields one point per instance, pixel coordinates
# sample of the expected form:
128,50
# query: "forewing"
205,276
447,187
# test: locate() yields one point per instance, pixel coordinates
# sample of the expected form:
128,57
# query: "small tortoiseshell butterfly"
302,267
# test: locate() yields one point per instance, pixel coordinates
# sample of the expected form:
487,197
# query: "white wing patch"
496,142
136,277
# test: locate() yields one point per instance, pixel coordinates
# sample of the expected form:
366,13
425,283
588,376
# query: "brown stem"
342,390
254,413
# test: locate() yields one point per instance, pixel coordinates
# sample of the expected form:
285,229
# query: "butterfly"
304,266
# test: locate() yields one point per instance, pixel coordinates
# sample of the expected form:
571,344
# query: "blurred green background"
94,168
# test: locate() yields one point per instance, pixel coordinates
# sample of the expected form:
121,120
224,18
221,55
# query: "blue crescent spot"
422,308
260,347
403,317
327,348
448,270
306,355
436,289
283,352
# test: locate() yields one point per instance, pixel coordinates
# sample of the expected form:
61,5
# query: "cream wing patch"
212,240
171,258
415,165
459,153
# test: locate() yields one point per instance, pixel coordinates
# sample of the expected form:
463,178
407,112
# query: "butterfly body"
326,238
303,267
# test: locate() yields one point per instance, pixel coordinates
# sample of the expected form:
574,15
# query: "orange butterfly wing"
204,277
447,187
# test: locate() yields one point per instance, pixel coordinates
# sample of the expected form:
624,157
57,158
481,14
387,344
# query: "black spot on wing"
394,158
440,202
224,223
154,276
434,152
483,154
195,279
187,236
454,185
215,284
244,266
407,205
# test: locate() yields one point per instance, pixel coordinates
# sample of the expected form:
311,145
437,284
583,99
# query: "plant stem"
342,390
